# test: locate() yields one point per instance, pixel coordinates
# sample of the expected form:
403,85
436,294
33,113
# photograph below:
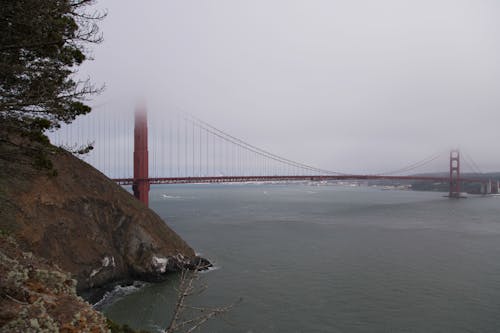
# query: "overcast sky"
353,85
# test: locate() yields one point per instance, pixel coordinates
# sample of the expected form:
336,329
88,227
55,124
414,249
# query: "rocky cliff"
38,297
62,209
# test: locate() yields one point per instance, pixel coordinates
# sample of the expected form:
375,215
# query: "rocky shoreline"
93,295
74,219
36,295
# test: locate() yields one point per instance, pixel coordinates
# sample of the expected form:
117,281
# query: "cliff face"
74,216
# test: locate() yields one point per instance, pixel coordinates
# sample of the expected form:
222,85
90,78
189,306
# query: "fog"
356,86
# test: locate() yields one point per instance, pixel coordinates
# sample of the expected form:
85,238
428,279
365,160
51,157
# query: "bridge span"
316,178
141,181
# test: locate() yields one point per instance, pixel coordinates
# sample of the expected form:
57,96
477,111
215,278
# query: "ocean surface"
329,259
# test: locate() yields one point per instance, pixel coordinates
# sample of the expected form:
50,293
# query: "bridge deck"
244,179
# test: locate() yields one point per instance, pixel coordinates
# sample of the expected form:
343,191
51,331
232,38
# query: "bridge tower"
454,174
486,188
141,179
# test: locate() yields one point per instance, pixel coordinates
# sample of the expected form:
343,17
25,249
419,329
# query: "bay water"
307,258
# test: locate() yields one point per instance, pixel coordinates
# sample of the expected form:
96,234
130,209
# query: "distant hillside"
64,210
473,188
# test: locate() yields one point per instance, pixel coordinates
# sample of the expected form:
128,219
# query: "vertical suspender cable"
178,148
123,151
185,147
199,164
206,154
163,150
106,140
115,149
215,153
170,148
193,146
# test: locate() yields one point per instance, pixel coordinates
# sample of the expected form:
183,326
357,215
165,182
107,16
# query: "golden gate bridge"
189,150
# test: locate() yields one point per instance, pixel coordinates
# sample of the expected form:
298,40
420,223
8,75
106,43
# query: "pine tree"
42,43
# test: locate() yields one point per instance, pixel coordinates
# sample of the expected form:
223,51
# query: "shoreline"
95,295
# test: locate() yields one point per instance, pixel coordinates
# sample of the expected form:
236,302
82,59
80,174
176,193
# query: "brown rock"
25,307
74,216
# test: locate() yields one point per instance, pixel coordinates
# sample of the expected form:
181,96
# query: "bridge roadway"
244,179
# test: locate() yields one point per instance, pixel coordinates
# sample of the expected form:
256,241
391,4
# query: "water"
331,259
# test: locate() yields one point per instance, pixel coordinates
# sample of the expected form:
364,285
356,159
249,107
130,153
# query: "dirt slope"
74,216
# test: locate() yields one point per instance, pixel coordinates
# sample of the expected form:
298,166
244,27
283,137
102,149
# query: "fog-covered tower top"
141,177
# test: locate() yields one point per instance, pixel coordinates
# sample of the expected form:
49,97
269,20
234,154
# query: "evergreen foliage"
42,43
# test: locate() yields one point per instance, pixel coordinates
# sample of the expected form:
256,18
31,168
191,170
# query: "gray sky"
353,85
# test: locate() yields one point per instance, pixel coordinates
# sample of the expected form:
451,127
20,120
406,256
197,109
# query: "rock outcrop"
38,297
62,209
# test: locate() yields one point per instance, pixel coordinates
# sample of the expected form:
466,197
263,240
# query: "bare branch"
187,288
15,299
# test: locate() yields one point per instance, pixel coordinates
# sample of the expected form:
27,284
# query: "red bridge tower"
141,179
454,174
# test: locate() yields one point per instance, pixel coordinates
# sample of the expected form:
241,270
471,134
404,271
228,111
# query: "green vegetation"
41,45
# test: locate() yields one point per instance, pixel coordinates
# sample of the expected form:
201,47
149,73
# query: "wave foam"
117,293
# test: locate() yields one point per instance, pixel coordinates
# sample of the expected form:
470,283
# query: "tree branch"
186,289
